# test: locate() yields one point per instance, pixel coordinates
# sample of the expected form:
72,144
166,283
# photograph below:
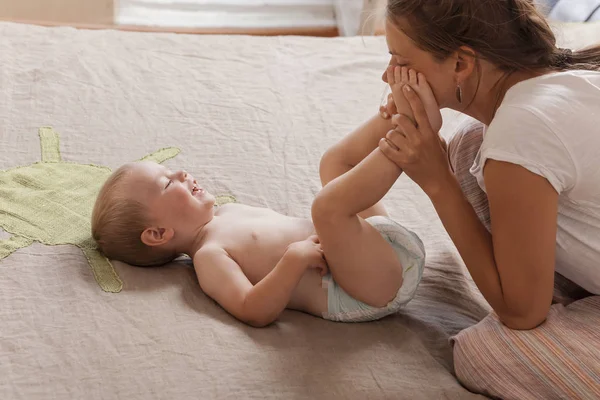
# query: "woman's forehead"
397,40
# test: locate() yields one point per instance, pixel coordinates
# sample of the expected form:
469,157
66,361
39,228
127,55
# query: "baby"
350,263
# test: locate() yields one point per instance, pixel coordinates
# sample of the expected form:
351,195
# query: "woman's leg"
360,260
351,150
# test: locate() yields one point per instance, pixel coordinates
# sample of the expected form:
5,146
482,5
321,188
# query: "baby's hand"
309,254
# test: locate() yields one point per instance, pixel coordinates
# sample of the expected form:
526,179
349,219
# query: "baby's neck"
195,240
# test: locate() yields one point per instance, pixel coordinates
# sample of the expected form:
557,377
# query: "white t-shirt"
551,126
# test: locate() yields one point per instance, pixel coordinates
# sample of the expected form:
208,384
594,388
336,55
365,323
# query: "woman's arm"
514,266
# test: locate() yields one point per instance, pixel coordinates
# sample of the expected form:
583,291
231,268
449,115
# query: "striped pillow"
558,360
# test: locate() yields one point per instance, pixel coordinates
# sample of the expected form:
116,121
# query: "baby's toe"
398,75
390,75
412,78
404,74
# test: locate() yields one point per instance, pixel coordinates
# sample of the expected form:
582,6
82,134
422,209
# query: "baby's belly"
262,248
310,296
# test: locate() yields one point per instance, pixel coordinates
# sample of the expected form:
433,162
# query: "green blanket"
51,202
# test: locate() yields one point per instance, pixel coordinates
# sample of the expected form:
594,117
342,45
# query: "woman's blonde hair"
118,222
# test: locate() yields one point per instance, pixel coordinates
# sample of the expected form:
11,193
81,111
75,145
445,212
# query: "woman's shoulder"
557,88
561,102
549,124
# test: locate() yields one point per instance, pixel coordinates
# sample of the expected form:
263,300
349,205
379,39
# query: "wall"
58,11
373,17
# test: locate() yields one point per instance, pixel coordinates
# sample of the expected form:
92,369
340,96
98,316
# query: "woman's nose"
384,76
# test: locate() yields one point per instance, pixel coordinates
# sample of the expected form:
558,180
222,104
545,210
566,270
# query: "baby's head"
147,215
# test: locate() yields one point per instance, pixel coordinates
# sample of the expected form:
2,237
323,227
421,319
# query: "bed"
250,116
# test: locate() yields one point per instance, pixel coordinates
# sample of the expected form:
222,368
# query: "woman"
539,159
538,163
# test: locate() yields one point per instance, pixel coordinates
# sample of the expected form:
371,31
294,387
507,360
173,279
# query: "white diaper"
411,253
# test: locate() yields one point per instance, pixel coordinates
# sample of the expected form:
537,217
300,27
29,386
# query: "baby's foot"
417,81
389,109
397,77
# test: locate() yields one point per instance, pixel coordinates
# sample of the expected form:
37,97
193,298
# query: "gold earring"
459,94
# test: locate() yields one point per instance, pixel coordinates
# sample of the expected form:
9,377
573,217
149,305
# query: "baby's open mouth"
196,190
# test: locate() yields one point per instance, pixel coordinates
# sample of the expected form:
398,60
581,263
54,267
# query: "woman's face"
439,74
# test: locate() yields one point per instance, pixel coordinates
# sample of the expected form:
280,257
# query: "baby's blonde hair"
118,221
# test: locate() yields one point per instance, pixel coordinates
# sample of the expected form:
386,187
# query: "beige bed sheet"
252,117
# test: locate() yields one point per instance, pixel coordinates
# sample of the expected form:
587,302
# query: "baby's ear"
156,236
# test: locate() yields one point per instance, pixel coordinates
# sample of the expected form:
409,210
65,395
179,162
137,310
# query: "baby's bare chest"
257,238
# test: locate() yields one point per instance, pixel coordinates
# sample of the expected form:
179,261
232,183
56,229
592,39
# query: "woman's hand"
417,148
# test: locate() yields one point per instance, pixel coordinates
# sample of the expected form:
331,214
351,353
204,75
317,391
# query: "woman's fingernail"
407,88
386,115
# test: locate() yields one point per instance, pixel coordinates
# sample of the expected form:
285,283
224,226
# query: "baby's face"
174,199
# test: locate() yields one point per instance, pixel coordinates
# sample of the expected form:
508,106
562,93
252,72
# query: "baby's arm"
222,279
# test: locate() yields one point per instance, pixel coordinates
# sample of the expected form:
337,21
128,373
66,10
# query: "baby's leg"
351,150
360,260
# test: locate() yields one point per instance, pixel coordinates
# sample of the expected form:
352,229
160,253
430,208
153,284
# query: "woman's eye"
169,183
